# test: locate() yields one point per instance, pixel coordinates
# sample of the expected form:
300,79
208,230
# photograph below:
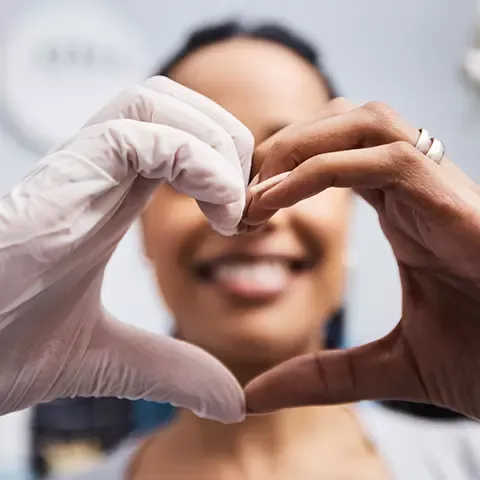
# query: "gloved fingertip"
225,410
233,417
225,232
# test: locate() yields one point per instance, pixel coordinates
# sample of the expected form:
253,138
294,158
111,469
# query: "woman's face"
259,299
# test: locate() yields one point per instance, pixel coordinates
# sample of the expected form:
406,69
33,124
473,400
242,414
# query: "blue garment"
148,416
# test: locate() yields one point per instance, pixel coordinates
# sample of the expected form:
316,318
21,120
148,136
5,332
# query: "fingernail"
262,187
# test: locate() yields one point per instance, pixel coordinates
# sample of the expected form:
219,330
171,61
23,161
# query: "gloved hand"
59,227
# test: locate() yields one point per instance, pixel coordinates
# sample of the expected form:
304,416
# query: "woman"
258,300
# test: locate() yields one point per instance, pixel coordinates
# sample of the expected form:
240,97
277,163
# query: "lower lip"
252,291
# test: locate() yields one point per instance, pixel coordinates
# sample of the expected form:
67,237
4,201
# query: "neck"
267,435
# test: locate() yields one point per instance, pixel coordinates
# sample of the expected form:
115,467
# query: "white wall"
407,53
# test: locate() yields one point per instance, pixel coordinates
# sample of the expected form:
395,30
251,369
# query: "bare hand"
431,216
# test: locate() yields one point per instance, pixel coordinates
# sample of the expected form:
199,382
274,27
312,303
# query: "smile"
251,277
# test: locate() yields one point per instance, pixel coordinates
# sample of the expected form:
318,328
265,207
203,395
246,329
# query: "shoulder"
437,448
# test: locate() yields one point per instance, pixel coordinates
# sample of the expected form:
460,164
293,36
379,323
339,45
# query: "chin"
255,352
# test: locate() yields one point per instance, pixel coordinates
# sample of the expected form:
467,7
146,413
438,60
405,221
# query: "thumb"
124,361
375,371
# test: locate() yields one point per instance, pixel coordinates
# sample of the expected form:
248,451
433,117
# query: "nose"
277,221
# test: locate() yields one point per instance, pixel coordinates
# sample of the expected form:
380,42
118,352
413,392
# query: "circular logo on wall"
61,63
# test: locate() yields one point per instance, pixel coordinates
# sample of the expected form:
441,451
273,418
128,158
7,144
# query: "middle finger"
370,125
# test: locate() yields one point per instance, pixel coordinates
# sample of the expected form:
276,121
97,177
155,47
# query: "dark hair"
279,34
423,410
272,32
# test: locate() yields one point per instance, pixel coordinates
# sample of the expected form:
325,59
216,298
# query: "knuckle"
279,147
288,150
378,108
402,150
401,156
141,105
381,113
159,83
281,155
341,105
368,121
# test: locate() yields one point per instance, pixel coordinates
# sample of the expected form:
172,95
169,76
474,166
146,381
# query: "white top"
411,448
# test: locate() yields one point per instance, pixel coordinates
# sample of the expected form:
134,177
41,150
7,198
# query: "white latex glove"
59,227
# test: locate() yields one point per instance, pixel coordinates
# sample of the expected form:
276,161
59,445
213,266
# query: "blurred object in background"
71,435
14,446
62,62
149,416
472,58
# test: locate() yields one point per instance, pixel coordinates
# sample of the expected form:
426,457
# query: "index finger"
127,106
335,107
373,124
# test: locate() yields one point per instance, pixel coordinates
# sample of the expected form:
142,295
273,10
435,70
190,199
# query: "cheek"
324,218
170,223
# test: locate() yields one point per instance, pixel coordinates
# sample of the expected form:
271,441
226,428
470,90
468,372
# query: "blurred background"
61,60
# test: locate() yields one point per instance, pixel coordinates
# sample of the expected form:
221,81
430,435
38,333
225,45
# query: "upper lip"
204,266
234,257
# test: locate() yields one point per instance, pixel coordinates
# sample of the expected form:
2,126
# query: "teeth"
265,273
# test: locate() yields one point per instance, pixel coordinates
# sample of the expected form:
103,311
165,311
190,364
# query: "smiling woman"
243,292
257,300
